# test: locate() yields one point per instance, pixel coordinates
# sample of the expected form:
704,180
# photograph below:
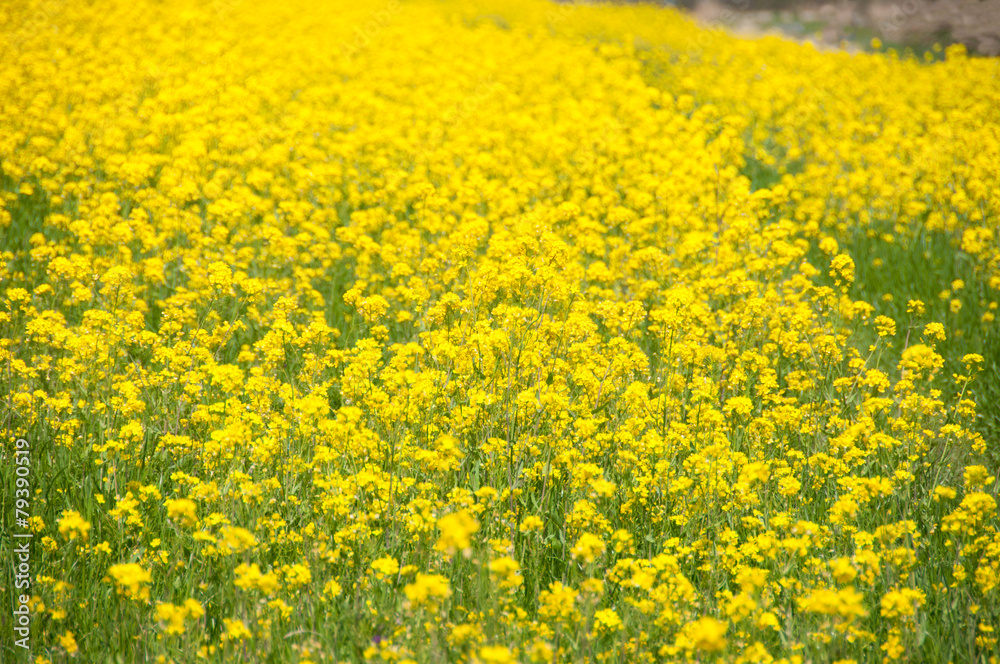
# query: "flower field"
492,331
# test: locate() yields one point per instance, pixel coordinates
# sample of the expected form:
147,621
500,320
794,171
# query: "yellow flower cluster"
496,331
131,580
175,617
72,525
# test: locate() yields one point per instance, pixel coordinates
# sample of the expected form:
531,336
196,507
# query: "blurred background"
901,24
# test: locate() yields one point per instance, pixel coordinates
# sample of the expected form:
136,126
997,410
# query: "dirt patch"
914,24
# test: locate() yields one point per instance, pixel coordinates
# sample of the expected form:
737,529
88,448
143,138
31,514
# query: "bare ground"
916,24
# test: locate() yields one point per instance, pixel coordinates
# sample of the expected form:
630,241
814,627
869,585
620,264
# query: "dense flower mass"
495,331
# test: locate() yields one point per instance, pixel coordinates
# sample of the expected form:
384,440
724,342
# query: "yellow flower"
237,539
920,357
331,589
427,590
707,634
842,269
250,576
182,509
741,406
558,603
846,603
893,647
975,477
973,511
72,525
385,568
68,643
829,246
607,621
740,607
175,616
465,634
843,570
194,608
297,575
507,572
789,486
540,651
603,488
281,607
885,326
220,276
531,523
751,579
588,548
944,493
456,530
495,655
934,331
235,630
902,603
131,580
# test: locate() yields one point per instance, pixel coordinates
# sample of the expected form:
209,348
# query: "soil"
853,24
